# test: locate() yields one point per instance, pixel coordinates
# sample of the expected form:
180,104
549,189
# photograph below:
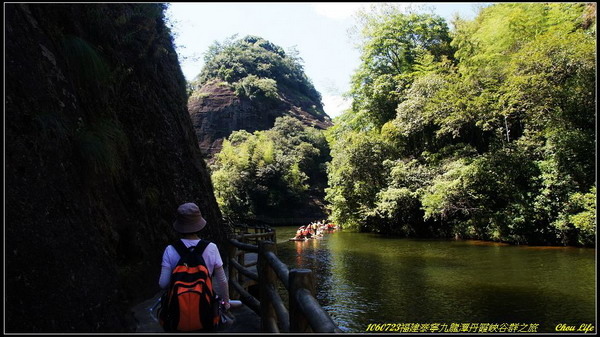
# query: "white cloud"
335,105
338,11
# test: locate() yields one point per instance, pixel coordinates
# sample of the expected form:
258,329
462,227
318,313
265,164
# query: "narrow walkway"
246,320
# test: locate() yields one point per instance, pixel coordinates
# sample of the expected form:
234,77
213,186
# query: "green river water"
367,279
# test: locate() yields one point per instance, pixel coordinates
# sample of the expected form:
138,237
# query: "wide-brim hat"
189,219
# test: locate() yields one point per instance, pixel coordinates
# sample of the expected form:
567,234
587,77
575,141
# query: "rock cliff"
100,151
246,84
216,111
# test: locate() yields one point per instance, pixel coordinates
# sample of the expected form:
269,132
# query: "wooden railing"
303,314
253,234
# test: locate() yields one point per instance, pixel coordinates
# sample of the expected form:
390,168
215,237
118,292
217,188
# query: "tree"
268,171
256,68
497,143
392,44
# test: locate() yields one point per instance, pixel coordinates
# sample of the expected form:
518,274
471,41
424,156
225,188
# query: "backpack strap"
201,246
183,250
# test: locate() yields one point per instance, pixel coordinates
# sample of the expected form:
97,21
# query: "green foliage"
257,69
254,87
496,144
268,171
398,207
480,190
395,46
582,215
356,174
86,62
102,146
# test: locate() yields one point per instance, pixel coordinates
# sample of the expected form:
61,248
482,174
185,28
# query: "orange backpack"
189,304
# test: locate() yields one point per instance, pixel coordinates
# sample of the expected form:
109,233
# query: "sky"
319,31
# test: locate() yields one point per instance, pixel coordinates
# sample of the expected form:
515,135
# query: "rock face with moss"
245,85
100,151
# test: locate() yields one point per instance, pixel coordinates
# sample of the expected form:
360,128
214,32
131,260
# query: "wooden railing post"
233,273
266,283
299,279
305,314
241,260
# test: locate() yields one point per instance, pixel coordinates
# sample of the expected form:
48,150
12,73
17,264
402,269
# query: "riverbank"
477,241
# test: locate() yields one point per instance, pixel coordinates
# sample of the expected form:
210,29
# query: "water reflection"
309,254
364,278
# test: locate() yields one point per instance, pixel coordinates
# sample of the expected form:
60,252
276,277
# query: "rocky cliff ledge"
100,151
216,111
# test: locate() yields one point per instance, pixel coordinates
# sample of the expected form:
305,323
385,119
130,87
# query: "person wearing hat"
188,223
